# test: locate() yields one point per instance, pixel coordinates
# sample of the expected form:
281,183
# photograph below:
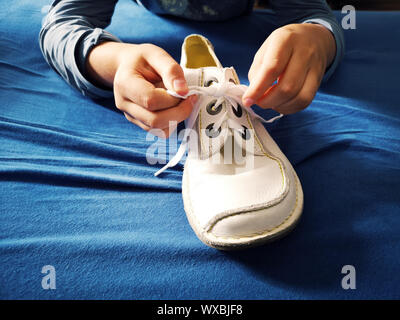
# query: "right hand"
139,75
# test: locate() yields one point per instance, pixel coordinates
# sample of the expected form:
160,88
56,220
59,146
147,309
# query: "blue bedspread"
77,193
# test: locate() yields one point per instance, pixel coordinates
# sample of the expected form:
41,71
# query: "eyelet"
210,82
246,133
212,109
211,133
238,112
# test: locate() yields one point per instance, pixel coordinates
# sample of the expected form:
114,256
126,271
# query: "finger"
162,133
136,121
255,65
305,96
253,71
160,119
276,57
142,92
288,86
169,70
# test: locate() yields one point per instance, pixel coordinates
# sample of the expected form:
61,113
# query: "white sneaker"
238,187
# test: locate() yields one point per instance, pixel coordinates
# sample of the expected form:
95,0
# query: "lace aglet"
160,171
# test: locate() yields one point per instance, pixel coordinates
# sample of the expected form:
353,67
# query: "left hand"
296,55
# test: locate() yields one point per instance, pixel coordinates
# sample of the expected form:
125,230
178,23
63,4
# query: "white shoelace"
227,91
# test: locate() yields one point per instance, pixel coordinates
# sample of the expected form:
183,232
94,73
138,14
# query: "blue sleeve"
70,30
311,11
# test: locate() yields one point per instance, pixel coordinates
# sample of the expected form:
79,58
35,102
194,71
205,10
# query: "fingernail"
248,102
180,86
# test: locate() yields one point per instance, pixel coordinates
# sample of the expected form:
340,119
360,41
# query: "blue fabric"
77,193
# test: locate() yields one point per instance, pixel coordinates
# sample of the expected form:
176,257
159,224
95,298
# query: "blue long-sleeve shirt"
73,27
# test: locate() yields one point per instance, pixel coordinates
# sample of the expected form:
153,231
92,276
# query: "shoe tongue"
192,76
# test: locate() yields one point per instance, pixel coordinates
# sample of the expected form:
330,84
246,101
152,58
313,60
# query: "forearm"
70,31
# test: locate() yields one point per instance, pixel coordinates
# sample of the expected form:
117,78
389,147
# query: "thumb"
169,70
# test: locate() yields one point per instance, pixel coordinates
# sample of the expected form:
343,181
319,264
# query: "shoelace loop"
227,91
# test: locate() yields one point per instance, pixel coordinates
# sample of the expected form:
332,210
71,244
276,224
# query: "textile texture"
77,193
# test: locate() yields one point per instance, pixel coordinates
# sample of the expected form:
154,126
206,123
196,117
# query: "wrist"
328,43
103,61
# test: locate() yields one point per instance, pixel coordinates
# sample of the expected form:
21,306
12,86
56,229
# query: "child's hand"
139,75
297,55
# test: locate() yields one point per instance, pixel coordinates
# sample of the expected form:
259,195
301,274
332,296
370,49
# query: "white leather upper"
227,199
219,189
252,222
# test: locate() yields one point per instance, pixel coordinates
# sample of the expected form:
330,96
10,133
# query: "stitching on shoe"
264,152
199,117
260,232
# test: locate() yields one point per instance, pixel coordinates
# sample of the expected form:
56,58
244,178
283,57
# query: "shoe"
239,189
